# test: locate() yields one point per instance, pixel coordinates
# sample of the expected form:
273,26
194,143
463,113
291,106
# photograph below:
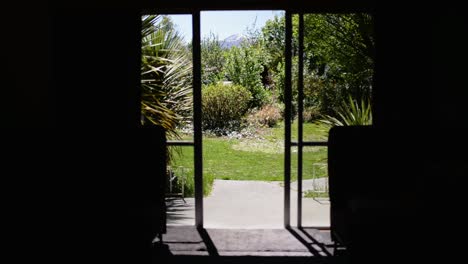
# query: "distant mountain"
233,40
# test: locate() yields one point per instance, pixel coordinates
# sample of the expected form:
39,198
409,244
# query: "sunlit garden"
243,93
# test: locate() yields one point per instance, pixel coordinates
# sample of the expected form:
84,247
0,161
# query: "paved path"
250,204
319,184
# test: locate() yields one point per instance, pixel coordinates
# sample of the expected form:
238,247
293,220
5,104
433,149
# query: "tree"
340,50
339,54
244,67
166,75
212,60
273,34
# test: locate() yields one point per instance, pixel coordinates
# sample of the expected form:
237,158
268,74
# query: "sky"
223,23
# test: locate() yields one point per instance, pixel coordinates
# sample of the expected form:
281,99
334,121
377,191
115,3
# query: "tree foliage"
166,75
339,55
273,34
339,52
244,67
213,60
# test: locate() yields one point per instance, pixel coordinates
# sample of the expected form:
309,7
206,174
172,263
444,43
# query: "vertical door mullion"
287,122
197,108
300,106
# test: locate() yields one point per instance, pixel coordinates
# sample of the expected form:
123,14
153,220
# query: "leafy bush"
268,115
224,106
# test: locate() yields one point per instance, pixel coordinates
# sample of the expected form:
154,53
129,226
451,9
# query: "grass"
252,159
186,174
313,194
311,132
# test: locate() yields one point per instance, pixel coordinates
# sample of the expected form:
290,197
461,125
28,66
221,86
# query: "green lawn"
256,159
311,132
312,194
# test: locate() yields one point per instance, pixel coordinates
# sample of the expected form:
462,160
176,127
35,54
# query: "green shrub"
224,106
268,116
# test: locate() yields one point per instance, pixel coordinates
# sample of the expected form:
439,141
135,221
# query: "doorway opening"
249,110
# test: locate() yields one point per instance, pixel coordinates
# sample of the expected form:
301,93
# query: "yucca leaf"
166,72
351,113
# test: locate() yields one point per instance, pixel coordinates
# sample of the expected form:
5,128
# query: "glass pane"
243,128
315,202
166,75
183,27
315,199
180,186
339,55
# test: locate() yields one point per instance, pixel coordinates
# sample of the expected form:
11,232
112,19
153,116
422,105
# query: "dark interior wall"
75,169
449,124
95,54
24,66
402,95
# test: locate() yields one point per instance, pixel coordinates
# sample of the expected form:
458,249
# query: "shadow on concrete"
210,246
308,245
315,241
177,210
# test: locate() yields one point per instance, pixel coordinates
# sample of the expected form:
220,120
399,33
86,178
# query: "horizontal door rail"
180,143
310,143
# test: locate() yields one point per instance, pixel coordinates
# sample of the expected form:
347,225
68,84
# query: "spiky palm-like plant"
166,75
351,113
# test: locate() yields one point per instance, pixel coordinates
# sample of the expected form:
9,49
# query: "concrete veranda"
250,204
